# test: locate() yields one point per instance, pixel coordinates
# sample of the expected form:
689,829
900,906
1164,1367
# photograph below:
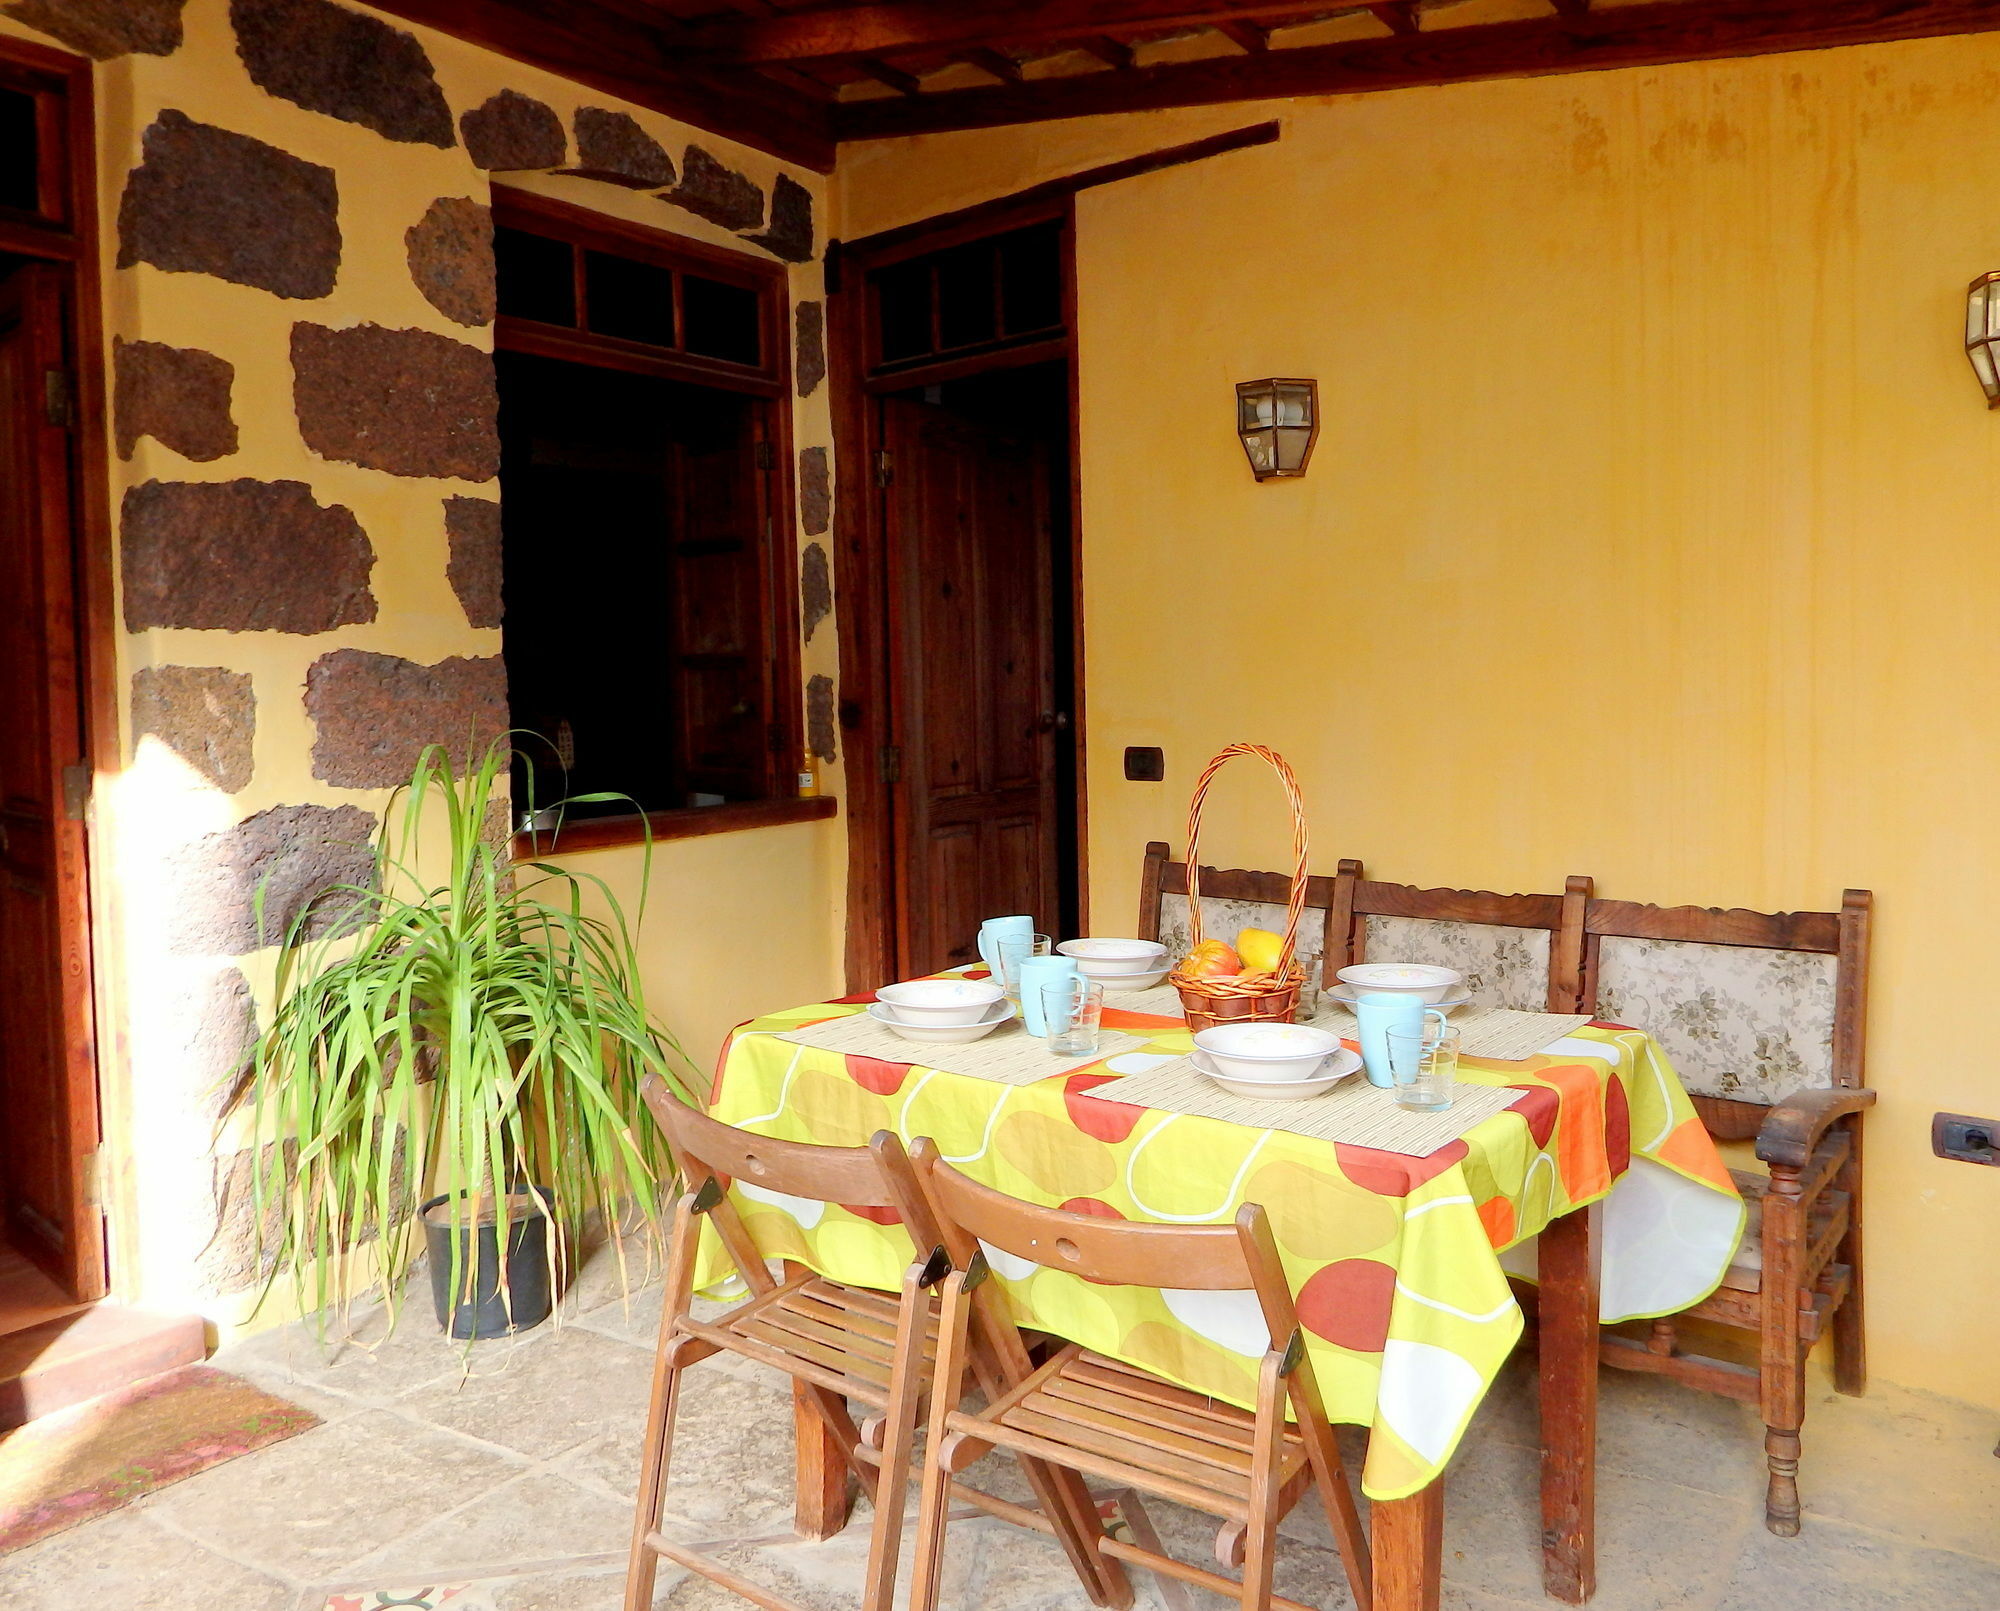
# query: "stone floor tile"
305,1508
128,1562
600,1590
731,1471
542,1516
1832,1567
1669,1432
1905,1463
366,1358
569,1387
1658,1545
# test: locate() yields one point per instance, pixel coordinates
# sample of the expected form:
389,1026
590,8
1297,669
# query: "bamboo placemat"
1163,1000
1501,1033
1354,1111
1008,1055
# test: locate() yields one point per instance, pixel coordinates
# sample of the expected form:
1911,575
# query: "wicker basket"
1227,999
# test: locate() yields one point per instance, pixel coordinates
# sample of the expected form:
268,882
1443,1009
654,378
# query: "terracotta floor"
517,1478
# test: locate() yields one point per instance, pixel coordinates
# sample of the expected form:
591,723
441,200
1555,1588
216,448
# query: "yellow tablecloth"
1396,1261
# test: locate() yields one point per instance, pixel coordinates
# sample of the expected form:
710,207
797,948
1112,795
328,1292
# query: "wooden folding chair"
1101,1418
1522,951
837,1342
1764,1015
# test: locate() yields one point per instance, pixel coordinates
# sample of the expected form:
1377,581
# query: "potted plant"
463,1037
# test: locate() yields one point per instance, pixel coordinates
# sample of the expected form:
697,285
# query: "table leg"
1406,1539
824,1496
1568,1333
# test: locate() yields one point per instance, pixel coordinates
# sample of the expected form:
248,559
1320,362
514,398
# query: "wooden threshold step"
83,1355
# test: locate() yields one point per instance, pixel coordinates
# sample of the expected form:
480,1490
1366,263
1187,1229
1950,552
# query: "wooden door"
974,724
48,1085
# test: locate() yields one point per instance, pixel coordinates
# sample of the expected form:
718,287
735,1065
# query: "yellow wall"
1651,531
733,919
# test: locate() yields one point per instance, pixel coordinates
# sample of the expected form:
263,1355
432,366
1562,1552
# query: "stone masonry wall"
299,287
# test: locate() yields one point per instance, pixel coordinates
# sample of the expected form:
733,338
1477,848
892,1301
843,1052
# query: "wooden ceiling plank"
1112,52
901,26
1646,34
898,80
613,53
997,62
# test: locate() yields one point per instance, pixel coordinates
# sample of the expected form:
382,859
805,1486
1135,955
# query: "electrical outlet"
1967,1140
1144,763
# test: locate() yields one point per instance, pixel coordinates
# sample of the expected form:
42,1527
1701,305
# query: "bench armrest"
1795,1127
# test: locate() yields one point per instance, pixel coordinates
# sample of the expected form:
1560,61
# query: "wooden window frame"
777,571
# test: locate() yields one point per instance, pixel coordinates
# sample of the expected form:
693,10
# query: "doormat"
435,1597
83,1462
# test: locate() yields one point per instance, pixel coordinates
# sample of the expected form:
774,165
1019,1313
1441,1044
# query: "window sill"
606,833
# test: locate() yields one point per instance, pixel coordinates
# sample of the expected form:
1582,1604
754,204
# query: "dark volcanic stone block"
375,713
206,715
815,589
819,718
511,131
473,526
791,233
350,66
721,195
176,395
206,201
815,491
451,258
809,325
106,28
611,146
294,854
405,401
242,556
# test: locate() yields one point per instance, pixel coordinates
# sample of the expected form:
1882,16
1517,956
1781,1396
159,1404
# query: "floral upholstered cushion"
1503,967
1739,1022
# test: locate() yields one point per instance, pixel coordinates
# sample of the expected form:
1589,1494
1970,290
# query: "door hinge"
885,467
76,791
59,398
892,763
767,457
90,1171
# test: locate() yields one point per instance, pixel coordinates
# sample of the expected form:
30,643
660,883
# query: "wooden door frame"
861,570
70,244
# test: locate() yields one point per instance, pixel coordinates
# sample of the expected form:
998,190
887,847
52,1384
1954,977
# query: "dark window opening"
637,635
535,276
982,296
630,299
721,320
20,152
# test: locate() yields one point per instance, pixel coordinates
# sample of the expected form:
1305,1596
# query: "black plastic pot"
484,1310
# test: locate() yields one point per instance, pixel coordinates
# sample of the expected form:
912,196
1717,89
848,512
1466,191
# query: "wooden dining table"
1597,1109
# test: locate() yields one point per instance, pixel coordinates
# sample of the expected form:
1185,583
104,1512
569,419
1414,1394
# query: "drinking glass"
1073,1009
1010,952
1423,1063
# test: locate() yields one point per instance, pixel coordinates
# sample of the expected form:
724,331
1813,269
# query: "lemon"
1259,949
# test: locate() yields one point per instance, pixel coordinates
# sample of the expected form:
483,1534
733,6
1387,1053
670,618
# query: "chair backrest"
1751,1006
1241,1257
1522,951
705,1146
1232,900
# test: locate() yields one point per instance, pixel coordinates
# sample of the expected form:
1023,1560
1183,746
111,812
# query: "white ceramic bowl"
1347,998
1337,1068
1128,981
1263,1052
943,1034
1417,979
940,1001
1127,955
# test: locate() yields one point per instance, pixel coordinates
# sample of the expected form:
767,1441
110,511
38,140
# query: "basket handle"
1296,905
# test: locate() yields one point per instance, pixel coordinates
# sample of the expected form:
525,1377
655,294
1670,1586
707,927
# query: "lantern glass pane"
1992,308
1292,443
1975,311
1983,366
1257,445
1253,410
1294,405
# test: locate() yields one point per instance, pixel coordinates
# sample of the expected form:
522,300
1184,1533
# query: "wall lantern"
1982,334
1278,421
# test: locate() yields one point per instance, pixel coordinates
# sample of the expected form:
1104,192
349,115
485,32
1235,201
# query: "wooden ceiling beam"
1249,37
1642,35
898,80
612,51
997,62
852,32
1399,16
